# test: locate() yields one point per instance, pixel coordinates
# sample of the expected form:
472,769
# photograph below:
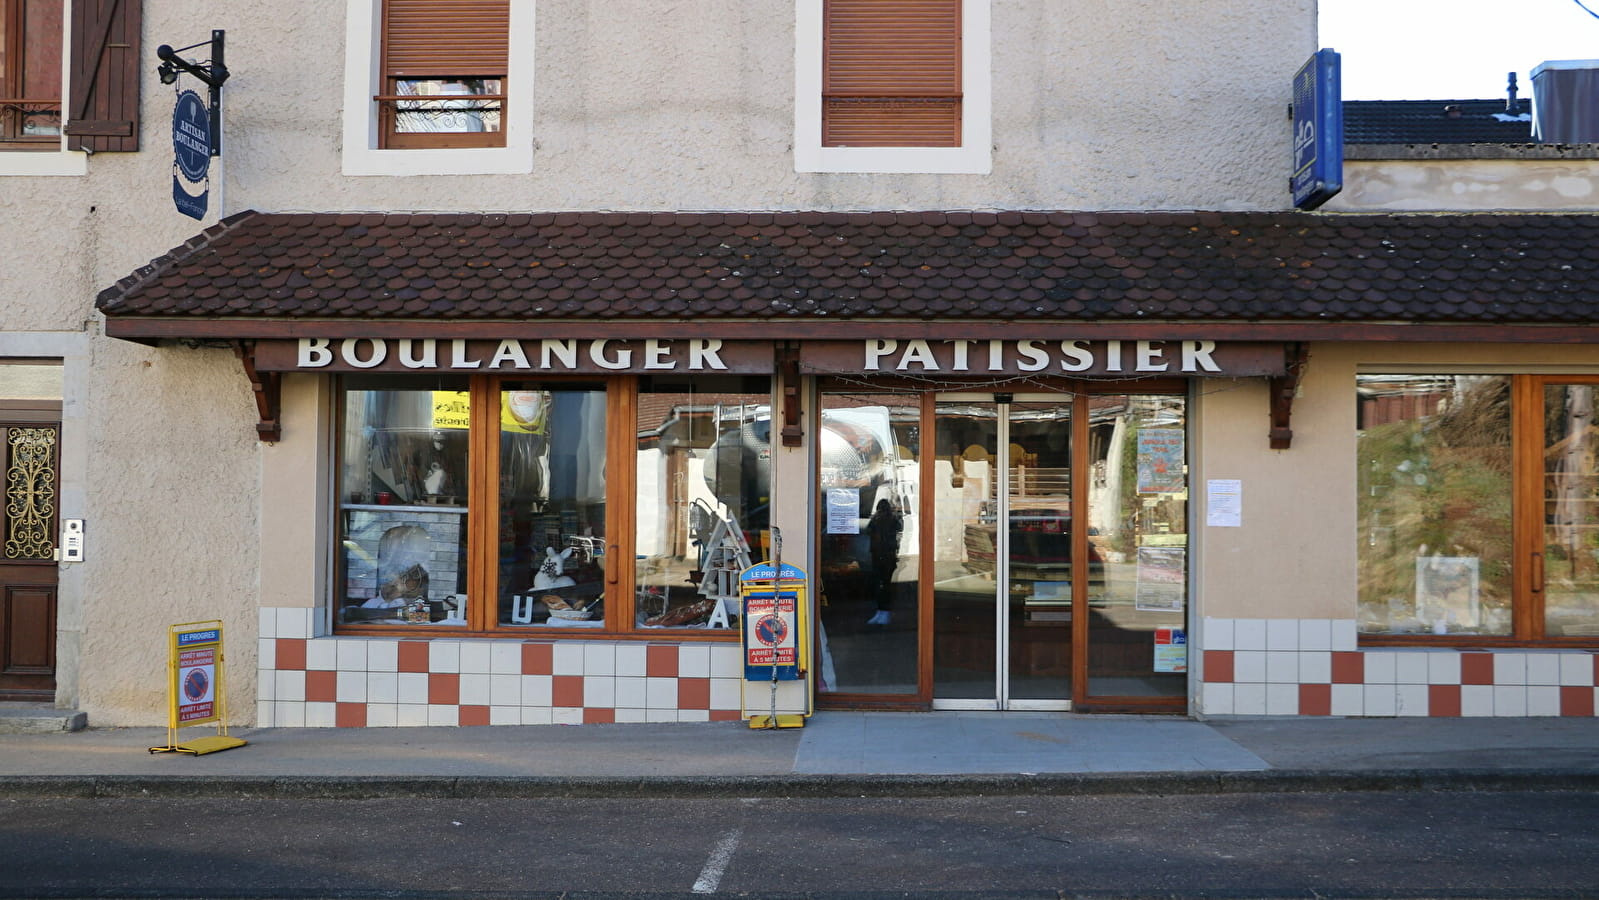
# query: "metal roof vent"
1565,101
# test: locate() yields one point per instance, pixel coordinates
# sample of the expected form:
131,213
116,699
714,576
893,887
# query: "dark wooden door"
30,452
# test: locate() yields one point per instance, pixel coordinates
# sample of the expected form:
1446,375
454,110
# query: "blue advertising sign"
191,150
191,135
1318,118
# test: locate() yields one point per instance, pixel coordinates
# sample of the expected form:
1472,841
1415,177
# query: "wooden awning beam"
268,388
1283,389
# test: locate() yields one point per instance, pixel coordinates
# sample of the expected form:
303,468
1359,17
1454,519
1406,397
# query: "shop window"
552,504
703,490
486,504
403,521
1478,508
892,87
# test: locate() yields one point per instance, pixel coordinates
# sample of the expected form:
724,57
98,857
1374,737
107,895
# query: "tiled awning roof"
953,267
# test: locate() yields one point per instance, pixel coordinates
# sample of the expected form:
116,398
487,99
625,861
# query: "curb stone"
316,787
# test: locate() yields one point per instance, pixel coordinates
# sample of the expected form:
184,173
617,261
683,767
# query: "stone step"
39,718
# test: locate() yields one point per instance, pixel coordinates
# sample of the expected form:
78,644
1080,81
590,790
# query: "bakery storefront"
533,511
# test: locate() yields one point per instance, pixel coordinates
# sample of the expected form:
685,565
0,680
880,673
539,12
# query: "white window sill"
891,160
469,161
26,162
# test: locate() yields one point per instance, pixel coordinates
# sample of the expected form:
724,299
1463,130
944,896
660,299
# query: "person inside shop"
882,534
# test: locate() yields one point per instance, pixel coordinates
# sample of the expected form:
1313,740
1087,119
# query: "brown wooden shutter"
430,38
891,73
103,111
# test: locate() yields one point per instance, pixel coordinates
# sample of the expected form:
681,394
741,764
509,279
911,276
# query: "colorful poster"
1162,579
1171,650
1160,461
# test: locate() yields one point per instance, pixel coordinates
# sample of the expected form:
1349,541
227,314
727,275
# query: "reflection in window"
1434,458
1571,510
401,492
870,447
552,505
703,458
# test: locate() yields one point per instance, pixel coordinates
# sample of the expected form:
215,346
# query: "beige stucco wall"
1469,185
1096,105
1294,556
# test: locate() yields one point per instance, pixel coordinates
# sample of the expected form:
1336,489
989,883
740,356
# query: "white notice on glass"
1224,503
843,511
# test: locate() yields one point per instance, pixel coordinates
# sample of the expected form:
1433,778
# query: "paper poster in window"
1160,461
843,511
1162,579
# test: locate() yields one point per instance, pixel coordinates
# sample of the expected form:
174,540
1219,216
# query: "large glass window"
483,503
869,580
703,488
402,493
552,549
1479,507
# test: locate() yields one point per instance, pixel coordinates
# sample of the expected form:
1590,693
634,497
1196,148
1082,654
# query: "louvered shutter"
103,110
891,73
434,38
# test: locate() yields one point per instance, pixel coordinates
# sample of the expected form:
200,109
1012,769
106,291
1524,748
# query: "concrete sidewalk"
837,753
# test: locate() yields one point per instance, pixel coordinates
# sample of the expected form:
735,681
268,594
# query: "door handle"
611,563
1537,572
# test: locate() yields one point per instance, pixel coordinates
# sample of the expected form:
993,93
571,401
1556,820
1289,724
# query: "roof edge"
108,298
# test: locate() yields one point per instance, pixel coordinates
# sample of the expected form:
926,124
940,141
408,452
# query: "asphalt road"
1392,844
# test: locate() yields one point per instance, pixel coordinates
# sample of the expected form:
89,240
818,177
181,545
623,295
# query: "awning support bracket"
1283,389
268,388
788,365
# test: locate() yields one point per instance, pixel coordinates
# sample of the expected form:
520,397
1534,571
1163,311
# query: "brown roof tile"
928,265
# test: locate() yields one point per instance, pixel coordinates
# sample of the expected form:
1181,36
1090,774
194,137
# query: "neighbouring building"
524,323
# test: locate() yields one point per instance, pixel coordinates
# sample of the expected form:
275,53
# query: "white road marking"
716,866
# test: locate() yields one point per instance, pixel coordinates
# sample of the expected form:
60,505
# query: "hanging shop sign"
1318,118
1070,358
546,355
191,152
772,616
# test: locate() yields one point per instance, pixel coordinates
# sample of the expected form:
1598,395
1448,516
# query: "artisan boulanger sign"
1043,357
512,355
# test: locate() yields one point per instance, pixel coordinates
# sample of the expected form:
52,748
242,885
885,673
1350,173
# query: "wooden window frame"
885,91
972,156
482,560
448,64
15,54
1077,394
1526,527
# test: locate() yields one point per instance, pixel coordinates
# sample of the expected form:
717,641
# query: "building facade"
460,409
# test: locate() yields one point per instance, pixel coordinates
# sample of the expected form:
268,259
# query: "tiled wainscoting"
1315,667
363,682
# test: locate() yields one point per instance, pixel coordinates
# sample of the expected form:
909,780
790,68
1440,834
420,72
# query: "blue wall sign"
1318,131
191,150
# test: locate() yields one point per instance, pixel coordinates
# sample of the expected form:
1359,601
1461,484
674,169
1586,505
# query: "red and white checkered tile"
1315,667
369,682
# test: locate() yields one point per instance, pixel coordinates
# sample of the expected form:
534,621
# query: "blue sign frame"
1318,119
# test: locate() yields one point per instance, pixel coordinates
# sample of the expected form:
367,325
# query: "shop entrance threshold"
956,742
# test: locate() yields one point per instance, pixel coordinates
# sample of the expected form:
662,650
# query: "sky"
1451,49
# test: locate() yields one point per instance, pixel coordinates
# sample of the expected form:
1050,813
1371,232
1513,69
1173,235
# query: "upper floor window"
438,87
30,74
88,100
434,49
892,87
